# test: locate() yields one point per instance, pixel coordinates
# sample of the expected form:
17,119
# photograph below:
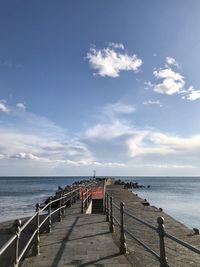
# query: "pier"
101,224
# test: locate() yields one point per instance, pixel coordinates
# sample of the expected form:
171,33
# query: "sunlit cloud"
21,106
171,61
171,82
117,108
155,143
110,61
3,107
152,102
191,94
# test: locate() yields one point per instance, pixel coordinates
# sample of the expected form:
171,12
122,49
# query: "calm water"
18,195
180,197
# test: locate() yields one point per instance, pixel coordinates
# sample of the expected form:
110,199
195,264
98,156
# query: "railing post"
82,202
37,243
17,225
105,203
78,194
60,208
111,215
123,247
86,200
49,214
71,199
161,233
107,208
63,204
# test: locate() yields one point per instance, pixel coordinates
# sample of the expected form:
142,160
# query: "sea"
177,196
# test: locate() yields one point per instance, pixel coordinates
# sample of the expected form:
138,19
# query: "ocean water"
178,196
19,195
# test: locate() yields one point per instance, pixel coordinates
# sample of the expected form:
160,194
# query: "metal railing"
160,230
86,198
57,205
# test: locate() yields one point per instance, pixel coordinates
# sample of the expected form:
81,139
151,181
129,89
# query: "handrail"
115,219
116,206
140,220
183,243
7,244
86,197
27,222
63,199
109,203
143,244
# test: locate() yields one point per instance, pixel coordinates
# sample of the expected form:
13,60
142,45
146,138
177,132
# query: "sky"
107,85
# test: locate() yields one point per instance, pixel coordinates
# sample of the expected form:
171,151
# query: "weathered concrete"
177,255
79,240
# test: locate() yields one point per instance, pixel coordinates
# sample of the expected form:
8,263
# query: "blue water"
178,196
19,195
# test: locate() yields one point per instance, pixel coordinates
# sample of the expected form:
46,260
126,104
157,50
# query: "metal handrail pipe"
61,207
29,220
183,243
116,206
7,244
139,220
44,208
55,200
28,243
55,211
68,193
45,219
115,219
143,244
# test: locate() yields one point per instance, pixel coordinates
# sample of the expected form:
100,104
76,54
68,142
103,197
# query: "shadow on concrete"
88,236
62,247
91,222
99,260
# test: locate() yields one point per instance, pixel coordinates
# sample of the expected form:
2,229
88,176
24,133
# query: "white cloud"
152,102
171,61
171,82
117,108
148,85
21,106
191,94
23,155
3,107
110,62
117,45
154,143
168,74
109,130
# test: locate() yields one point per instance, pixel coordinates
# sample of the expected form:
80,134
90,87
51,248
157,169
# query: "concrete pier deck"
177,255
79,240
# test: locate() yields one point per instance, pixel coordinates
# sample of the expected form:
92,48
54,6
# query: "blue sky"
106,85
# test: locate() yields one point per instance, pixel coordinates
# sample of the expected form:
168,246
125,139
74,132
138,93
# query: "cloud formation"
146,143
171,82
191,94
171,61
152,102
112,60
111,110
21,106
3,107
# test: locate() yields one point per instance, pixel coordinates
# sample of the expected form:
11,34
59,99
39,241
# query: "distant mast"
94,174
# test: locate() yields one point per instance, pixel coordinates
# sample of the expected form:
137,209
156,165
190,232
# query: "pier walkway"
177,255
79,240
